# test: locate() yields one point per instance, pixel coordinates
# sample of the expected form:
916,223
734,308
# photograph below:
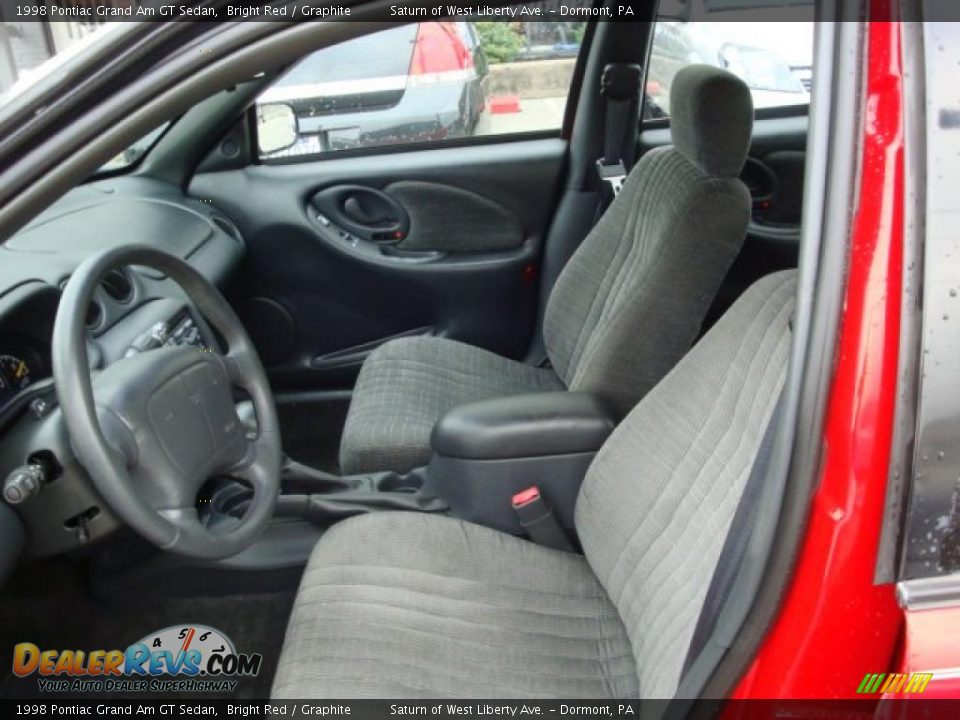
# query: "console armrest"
520,426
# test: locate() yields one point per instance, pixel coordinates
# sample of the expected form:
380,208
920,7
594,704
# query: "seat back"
632,298
657,502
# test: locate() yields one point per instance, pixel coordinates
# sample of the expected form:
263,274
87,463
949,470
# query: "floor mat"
48,605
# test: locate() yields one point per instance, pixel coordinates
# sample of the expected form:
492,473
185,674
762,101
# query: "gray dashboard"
35,264
117,211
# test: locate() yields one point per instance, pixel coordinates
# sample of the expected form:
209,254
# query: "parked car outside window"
428,82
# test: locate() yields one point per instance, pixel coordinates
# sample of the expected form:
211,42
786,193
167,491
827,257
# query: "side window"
422,83
775,59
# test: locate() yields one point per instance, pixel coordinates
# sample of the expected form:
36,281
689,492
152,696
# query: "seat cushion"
412,605
407,384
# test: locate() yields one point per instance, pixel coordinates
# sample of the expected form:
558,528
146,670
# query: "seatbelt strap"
620,85
735,545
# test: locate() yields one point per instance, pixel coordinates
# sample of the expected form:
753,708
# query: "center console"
484,454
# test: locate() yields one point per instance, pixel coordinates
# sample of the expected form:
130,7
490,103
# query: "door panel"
774,175
412,217
317,296
784,204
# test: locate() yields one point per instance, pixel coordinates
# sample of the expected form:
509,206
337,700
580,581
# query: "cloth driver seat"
398,605
625,308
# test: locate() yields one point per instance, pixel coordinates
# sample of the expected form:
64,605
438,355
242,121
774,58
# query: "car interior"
465,416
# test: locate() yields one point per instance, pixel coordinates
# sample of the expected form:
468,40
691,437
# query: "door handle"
359,210
365,212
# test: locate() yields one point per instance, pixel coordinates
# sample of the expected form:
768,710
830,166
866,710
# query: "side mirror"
277,127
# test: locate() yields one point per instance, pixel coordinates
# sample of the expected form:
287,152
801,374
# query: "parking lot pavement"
535,114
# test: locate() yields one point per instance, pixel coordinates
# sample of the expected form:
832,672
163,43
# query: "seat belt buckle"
538,521
614,174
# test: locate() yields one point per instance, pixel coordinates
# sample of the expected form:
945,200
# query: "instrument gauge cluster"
22,363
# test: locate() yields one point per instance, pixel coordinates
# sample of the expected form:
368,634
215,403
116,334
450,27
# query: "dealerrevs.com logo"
181,658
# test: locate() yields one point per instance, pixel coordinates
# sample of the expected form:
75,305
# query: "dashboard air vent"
94,315
94,311
117,285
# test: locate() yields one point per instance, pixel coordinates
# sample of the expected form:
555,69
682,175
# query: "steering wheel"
152,428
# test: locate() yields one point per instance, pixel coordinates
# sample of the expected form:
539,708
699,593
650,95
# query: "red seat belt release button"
524,497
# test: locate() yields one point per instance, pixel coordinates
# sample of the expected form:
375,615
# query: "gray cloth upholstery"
408,605
657,501
411,605
711,119
625,308
631,300
407,384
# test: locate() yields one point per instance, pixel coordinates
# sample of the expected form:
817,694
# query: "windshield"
32,56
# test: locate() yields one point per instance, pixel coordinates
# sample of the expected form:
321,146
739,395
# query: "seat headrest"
711,119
